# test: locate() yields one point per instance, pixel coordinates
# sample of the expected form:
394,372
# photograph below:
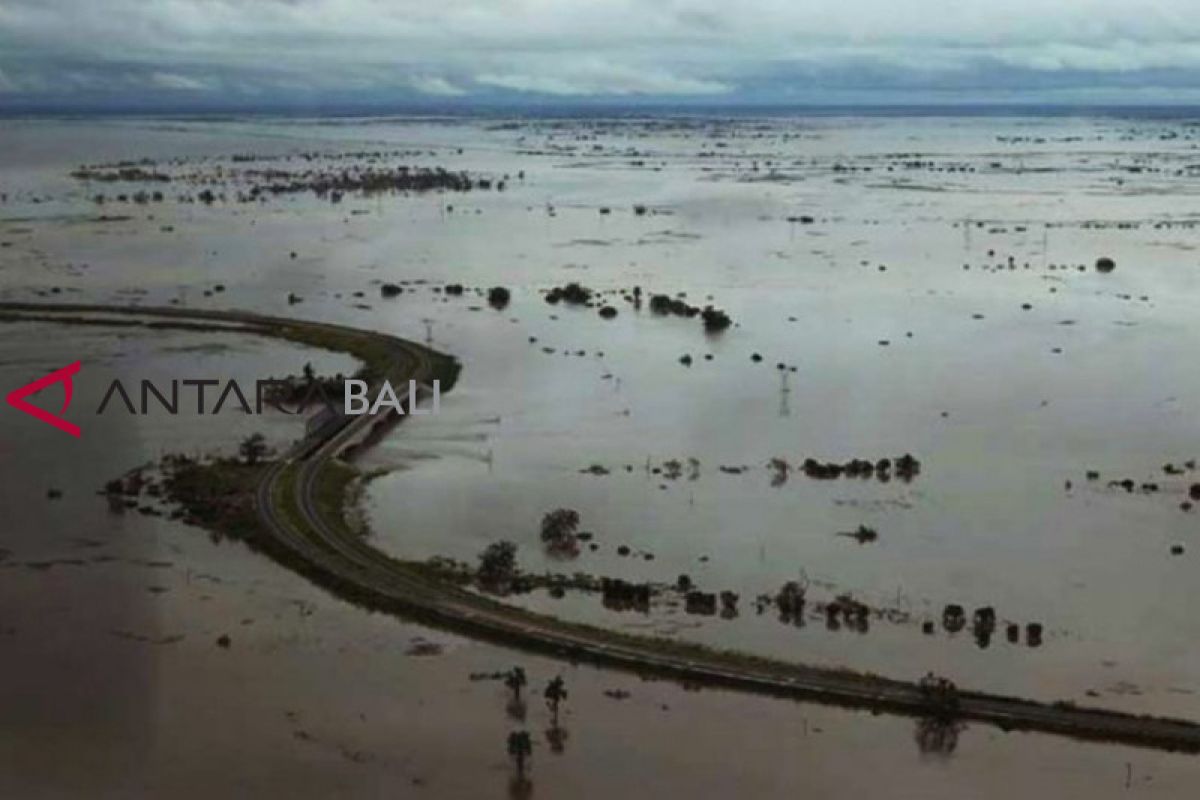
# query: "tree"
558,531
715,320
498,297
310,374
253,448
520,747
498,563
556,692
516,680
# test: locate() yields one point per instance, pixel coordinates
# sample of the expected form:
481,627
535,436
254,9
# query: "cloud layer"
246,51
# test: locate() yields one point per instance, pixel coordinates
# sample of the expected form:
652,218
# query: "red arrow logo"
16,398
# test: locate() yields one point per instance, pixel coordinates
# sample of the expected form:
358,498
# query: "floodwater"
109,622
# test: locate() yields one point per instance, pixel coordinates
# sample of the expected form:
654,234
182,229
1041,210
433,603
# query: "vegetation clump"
665,304
620,595
790,601
715,320
122,173
954,618
214,495
729,601
906,468
559,528
498,297
844,608
572,294
335,183
497,565
252,449
984,625
702,603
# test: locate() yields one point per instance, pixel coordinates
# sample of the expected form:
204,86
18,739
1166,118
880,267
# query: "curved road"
333,552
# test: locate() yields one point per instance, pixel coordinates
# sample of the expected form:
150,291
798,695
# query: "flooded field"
929,287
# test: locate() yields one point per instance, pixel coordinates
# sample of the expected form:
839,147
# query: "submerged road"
291,515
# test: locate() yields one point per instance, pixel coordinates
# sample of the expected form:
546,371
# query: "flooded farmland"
955,392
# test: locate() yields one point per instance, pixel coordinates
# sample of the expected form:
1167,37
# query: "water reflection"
556,737
520,750
516,709
938,736
520,788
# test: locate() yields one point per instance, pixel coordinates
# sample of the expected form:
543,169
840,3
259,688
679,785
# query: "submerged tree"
497,563
498,297
559,531
556,692
515,680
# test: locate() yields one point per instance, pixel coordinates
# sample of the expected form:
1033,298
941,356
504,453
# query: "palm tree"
556,692
520,747
515,680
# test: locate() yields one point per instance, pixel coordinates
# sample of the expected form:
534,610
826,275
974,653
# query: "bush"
498,562
571,294
498,297
715,319
558,530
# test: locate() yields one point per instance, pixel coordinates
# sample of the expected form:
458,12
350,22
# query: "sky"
262,53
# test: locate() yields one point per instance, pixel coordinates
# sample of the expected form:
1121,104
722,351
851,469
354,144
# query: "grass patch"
332,493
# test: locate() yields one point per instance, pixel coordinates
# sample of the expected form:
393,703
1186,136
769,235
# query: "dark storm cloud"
824,50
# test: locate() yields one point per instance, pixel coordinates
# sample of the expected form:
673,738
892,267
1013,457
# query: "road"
330,550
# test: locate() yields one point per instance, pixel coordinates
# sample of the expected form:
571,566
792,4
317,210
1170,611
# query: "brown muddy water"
901,306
